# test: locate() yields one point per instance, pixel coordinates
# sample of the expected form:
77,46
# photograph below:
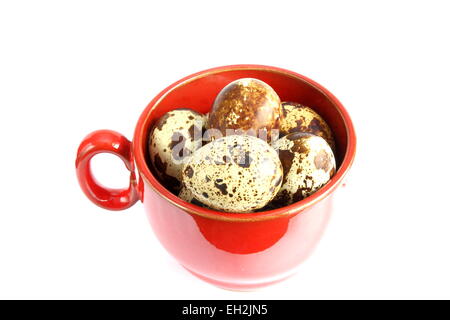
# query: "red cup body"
233,251
237,255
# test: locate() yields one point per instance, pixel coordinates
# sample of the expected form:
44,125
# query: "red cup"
233,251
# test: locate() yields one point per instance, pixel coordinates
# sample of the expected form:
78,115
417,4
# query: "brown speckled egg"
237,173
175,136
308,164
186,195
299,118
246,104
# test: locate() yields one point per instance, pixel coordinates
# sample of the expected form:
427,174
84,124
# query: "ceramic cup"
233,251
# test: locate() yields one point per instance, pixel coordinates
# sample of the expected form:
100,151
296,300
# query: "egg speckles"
308,164
236,173
299,118
175,136
186,195
246,104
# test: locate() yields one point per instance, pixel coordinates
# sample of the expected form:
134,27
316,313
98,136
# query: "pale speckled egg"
247,105
174,137
237,173
299,118
186,195
308,164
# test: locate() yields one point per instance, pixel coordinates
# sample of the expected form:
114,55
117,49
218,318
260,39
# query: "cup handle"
106,141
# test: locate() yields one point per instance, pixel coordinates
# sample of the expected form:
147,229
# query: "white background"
70,67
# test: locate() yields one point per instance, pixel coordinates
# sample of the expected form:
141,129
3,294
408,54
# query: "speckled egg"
299,118
308,164
237,173
186,195
174,137
247,105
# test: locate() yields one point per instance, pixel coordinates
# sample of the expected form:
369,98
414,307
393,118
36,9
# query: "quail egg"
186,195
308,164
246,106
299,118
237,173
174,137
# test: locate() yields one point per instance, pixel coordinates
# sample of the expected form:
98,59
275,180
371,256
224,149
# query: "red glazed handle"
106,141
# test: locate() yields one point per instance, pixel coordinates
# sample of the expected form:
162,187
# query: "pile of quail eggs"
250,153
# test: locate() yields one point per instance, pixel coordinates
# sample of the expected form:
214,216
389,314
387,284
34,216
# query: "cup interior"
198,92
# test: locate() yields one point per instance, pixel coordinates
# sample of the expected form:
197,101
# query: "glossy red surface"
106,141
237,255
234,251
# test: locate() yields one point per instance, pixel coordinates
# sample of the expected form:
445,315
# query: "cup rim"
295,208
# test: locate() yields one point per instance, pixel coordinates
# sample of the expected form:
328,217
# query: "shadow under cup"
240,251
